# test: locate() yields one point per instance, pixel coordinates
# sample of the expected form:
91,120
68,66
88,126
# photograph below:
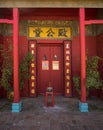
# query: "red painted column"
15,55
83,55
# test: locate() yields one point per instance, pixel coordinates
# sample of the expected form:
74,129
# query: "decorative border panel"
32,83
67,68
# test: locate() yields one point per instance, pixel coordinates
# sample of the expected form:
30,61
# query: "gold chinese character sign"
67,72
49,32
32,81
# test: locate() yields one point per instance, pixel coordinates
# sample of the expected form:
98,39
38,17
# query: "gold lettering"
32,77
67,63
33,84
67,71
32,52
67,46
32,91
67,58
68,77
32,45
32,65
32,71
68,91
68,52
67,84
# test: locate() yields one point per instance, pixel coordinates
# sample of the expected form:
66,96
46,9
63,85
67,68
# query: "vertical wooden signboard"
67,67
32,83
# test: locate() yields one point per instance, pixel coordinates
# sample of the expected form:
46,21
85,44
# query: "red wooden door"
50,68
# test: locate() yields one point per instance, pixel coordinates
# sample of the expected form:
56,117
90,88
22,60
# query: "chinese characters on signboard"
49,32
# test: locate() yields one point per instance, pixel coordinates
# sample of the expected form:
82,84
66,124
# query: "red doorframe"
66,61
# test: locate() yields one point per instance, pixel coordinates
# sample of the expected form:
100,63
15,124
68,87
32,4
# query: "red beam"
15,55
83,55
6,21
93,22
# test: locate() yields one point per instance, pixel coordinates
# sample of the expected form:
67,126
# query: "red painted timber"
83,55
6,21
93,22
15,55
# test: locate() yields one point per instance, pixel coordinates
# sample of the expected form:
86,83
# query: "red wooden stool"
52,98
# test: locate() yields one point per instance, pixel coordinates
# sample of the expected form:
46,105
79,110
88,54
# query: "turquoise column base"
17,107
83,107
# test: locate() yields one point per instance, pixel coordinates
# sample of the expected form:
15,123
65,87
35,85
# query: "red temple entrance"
52,61
50,68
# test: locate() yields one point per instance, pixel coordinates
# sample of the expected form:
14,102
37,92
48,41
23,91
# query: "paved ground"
64,115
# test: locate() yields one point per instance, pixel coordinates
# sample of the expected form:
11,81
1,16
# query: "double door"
50,68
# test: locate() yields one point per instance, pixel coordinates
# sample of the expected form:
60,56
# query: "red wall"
100,52
90,45
90,48
100,45
1,89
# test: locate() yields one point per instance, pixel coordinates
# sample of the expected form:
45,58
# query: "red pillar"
15,55
83,55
